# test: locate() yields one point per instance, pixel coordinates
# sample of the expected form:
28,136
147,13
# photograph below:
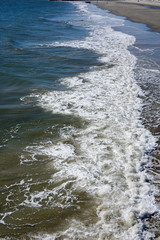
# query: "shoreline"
149,14
141,12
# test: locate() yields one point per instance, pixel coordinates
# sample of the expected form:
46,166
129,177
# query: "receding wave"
105,157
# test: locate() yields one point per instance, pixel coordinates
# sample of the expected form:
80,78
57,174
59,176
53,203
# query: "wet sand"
147,12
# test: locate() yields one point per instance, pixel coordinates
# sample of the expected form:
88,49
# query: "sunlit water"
79,124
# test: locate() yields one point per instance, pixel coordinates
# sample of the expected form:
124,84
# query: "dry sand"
147,12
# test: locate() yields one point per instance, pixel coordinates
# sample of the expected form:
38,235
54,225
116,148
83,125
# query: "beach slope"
142,12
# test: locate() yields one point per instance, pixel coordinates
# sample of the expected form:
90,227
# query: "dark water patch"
28,124
37,66
152,7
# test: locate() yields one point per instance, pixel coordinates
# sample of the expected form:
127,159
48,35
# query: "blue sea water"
78,118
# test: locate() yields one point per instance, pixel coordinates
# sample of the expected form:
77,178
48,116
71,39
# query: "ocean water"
79,123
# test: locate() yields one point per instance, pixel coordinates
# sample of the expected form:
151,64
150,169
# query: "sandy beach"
147,12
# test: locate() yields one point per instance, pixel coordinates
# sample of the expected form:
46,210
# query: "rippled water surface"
79,123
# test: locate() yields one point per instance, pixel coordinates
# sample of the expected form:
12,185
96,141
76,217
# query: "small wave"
109,152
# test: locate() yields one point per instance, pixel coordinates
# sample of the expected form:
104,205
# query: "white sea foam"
104,158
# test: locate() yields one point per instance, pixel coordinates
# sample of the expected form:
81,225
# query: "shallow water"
77,114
